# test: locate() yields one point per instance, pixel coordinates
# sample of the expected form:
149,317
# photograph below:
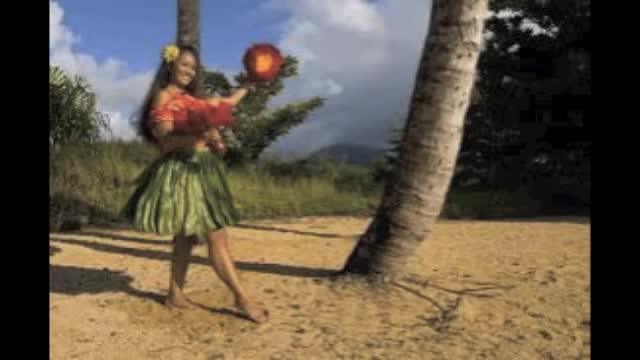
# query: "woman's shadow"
53,250
74,280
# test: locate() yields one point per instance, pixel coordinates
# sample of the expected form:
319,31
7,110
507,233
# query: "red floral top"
192,115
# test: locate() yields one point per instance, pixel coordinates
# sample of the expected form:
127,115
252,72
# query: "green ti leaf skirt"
182,194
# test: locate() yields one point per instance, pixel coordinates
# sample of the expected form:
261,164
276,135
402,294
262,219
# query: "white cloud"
59,35
362,56
118,90
328,86
120,126
348,15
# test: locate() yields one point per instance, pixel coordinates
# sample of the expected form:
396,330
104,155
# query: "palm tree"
73,117
189,34
414,194
189,23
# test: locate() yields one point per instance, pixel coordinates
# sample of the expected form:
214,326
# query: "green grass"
97,181
94,179
264,196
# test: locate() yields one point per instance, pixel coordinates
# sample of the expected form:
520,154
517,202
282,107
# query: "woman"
184,193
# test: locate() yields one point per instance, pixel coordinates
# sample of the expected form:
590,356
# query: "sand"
477,290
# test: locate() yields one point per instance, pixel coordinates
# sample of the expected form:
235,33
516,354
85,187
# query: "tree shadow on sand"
266,268
53,250
73,280
576,220
290,231
147,241
448,312
132,239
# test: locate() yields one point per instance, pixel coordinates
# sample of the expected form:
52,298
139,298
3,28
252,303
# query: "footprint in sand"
545,335
549,278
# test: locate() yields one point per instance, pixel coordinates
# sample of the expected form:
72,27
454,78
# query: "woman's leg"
182,247
223,265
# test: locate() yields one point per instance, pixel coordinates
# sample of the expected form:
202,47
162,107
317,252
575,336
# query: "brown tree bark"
189,34
189,23
416,191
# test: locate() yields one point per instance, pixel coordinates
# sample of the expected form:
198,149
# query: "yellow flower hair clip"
170,53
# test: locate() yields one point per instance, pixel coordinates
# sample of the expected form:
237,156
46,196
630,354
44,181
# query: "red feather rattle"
262,62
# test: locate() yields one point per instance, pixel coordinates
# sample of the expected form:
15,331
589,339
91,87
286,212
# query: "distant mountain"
349,153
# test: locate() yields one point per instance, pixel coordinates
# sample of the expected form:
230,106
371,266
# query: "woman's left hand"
212,136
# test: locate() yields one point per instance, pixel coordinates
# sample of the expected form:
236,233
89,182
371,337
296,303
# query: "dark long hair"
160,81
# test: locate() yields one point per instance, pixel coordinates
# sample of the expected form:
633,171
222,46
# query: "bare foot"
179,303
255,312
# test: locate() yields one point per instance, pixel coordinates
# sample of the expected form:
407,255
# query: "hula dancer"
184,193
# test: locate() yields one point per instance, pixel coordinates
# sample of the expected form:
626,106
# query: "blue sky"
135,31
360,55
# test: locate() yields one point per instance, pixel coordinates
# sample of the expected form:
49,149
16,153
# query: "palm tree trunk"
415,192
189,34
189,23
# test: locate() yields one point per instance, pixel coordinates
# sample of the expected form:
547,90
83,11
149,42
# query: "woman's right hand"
219,148
233,100
213,101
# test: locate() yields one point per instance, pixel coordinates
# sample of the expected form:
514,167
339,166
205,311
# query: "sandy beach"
477,290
